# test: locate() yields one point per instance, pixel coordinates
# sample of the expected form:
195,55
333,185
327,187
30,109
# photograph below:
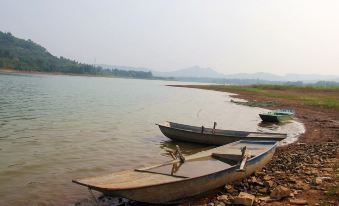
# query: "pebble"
263,190
280,192
223,198
300,185
220,204
264,199
298,201
319,180
269,183
244,199
230,188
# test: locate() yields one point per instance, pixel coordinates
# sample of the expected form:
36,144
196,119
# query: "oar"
245,156
181,156
177,153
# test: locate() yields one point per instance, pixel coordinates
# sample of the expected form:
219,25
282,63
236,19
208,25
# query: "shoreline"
321,133
319,122
30,72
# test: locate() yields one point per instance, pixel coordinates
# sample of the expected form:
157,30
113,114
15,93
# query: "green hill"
26,55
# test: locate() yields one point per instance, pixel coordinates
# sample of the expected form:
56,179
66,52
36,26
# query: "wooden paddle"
245,153
177,153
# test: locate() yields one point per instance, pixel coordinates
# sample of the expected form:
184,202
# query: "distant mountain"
199,74
311,77
192,72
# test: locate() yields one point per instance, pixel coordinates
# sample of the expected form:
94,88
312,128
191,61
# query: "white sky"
285,36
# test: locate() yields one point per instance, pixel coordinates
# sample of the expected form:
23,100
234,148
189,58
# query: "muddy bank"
304,172
322,124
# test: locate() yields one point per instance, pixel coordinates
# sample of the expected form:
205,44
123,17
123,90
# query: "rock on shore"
293,172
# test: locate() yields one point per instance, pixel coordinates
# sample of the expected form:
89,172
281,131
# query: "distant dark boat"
202,135
176,180
279,115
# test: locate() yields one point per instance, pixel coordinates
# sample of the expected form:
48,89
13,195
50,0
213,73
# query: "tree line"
26,55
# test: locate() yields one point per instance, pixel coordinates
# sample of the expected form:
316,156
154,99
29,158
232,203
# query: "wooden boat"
210,136
176,180
277,115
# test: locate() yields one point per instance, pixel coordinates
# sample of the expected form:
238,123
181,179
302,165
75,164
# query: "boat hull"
212,139
177,191
274,118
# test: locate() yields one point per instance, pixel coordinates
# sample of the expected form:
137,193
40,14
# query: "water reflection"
273,125
186,148
269,125
107,201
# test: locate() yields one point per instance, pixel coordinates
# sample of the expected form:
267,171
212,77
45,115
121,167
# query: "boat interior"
219,159
281,112
201,163
190,168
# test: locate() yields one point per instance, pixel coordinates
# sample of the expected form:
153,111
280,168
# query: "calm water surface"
57,128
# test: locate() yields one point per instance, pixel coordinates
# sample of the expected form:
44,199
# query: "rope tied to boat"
93,197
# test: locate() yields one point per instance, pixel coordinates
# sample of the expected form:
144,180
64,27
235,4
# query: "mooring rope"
94,198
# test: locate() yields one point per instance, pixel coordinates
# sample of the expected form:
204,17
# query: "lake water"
57,128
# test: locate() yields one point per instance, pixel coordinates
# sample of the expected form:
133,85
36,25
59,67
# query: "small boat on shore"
188,176
212,136
279,115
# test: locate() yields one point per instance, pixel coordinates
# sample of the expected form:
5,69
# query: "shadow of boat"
186,147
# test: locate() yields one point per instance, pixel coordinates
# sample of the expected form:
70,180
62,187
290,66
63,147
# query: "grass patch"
326,97
333,191
256,104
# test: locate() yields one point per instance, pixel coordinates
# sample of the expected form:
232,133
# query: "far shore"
321,120
32,72
14,71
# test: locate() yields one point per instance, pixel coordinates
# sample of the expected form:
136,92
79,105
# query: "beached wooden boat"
210,136
175,180
277,115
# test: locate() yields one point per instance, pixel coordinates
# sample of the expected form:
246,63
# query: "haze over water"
57,128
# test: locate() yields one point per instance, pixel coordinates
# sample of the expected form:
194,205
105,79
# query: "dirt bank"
307,170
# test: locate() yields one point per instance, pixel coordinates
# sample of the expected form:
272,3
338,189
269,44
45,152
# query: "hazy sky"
285,36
